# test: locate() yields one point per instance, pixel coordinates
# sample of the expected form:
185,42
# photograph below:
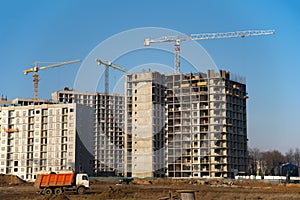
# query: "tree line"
269,162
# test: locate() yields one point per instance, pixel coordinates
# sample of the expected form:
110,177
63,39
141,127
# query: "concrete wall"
142,130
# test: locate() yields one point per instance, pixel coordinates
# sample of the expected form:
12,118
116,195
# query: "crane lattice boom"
203,36
35,70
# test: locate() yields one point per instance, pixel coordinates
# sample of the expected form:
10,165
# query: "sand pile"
7,179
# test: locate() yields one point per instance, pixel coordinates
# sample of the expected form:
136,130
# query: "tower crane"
37,68
108,64
203,36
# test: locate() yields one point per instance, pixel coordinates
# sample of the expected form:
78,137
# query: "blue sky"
55,31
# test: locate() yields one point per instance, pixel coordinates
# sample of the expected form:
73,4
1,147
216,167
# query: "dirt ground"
142,189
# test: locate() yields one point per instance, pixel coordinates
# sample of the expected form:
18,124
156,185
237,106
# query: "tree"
269,162
297,156
272,159
290,156
254,160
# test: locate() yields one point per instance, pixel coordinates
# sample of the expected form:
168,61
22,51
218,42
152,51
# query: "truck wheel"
48,191
81,190
58,191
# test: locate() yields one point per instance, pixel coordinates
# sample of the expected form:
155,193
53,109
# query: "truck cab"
82,180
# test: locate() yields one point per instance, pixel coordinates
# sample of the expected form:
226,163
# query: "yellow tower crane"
203,36
108,64
37,68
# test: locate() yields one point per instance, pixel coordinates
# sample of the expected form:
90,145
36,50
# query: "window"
45,112
65,111
30,127
31,112
45,126
10,113
85,177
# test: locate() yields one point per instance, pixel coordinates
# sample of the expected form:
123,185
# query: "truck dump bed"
48,180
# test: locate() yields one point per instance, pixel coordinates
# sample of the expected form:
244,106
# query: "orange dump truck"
58,183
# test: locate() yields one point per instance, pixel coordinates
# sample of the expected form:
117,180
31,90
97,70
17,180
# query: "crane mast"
107,65
37,68
202,36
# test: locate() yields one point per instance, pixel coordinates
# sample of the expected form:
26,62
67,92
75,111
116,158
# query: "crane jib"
203,36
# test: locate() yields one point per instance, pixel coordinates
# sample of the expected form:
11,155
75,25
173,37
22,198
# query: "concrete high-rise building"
204,116
207,125
145,125
45,137
108,127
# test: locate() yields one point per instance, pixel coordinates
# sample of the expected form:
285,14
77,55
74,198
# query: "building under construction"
108,127
191,125
145,125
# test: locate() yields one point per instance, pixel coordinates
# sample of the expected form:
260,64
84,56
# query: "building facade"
48,137
145,125
205,125
108,127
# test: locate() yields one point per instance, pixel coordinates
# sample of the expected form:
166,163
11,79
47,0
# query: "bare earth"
140,189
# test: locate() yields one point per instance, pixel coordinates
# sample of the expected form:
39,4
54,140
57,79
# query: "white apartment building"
47,137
